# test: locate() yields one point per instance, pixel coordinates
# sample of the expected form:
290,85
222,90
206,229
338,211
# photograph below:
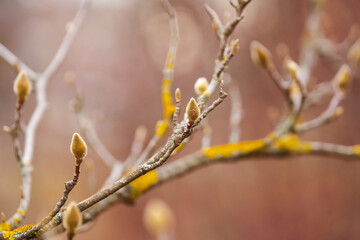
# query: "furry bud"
72,218
259,54
78,148
192,111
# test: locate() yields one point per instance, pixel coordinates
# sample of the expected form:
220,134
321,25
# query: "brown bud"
22,87
259,54
78,148
234,45
177,95
72,218
192,111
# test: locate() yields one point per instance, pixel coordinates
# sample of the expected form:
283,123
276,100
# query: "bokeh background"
117,58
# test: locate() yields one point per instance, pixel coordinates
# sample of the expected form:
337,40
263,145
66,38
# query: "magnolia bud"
140,133
22,87
292,68
177,95
343,77
158,218
259,54
78,148
72,218
201,85
338,111
234,45
354,53
192,111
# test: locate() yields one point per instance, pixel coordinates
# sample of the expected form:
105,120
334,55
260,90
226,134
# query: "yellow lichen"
22,212
292,143
16,220
9,234
178,148
170,65
139,185
228,150
357,150
161,127
169,108
5,227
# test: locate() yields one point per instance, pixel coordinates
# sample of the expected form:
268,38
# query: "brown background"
117,58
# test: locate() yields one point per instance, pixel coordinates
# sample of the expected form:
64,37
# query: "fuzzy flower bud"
343,77
192,111
158,218
22,87
259,54
292,68
201,85
234,45
354,53
72,218
78,148
177,95
338,111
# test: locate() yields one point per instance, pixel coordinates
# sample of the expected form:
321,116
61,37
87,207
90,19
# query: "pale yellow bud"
338,111
140,133
292,68
343,77
78,148
22,86
177,95
259,54
354,53
6,129
72,218
158,218
234,45
201,85
192,111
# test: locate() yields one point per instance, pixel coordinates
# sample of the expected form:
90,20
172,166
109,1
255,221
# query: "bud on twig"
259,54
342,78
201,85
7,129
78,148
22,87
234,45
354,53
338,111
72,218
292,68
177,95
192,111
158,218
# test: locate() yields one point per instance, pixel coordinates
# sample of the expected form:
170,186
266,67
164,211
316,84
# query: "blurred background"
117,58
